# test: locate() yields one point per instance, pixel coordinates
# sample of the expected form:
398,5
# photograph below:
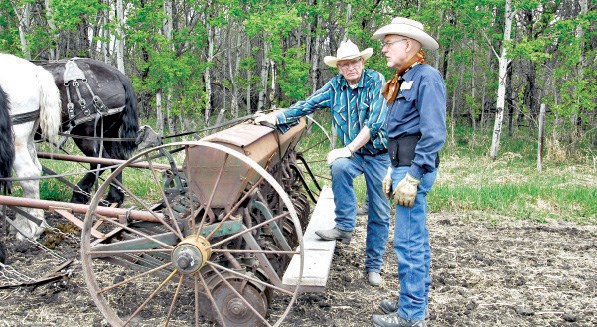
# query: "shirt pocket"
406,95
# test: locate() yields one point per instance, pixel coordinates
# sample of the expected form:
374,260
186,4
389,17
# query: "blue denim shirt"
352,109
420,107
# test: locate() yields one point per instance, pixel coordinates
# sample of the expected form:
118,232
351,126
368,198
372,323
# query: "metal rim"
165,277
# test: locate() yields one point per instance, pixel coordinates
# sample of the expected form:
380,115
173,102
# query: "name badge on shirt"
406,85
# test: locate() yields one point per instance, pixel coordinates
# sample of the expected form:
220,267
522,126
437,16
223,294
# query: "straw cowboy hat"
409,28
347,51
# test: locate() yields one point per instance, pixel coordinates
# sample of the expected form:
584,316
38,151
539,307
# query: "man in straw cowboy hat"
358,114
416,127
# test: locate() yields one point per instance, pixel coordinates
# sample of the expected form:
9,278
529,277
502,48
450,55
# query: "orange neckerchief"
390,91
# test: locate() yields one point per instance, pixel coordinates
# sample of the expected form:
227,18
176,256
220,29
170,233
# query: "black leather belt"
376,154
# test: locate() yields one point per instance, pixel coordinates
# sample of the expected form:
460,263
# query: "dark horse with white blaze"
99,106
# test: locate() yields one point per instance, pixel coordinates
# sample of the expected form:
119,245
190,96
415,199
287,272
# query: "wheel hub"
191,254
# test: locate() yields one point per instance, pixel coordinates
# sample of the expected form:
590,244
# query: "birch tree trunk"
120,36
49,13
348,17
249,77
272,90
315,54
503,67
579,34
473,91
159,113
207,73
167,28
264,75
24,16
233,62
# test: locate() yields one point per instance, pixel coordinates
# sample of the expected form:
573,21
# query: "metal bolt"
184,262
237,307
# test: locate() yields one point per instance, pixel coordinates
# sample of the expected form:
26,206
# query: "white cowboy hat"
409,28
347,51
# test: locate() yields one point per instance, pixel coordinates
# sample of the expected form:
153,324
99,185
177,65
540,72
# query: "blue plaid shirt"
352,109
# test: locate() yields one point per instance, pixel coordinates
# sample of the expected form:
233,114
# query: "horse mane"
7,149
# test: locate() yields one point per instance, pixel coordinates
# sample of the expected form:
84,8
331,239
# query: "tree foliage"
551,54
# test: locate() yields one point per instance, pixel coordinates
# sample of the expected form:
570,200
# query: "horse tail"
50,104
7,149
130,120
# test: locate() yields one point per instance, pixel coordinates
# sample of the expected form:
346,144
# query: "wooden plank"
318,253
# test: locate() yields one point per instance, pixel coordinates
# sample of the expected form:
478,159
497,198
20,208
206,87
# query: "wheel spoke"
190,194
139,233
128,280
164,197
127,251
254,227
174,299
151,296
238,203
213,193
254,251
211,298
146,207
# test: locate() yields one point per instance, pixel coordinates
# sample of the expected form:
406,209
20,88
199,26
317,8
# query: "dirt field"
510,274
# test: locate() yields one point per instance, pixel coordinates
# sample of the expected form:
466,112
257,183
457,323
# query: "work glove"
266,119
339,153
386,184
406,191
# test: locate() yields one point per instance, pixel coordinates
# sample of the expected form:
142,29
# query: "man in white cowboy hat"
358,114
416,127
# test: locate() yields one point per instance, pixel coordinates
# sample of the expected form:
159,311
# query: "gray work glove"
266,119
338,153
386,184
406,191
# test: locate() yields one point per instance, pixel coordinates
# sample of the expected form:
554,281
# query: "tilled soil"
512,273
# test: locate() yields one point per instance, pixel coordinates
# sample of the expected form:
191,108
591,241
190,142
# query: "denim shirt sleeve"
378,107
317,101
431,105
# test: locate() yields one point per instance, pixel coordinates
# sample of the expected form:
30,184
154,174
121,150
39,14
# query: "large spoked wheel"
310,160
217,239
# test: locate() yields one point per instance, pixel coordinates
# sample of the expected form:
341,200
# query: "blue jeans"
411,243
344,171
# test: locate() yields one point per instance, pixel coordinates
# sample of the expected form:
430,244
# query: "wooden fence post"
540,141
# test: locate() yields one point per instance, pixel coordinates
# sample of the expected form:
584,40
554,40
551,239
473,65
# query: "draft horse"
99,113
29,99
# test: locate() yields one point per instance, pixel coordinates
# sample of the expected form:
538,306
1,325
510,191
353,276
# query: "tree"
503,66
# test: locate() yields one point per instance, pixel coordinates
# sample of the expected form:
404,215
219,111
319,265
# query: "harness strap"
24,117
74,76
99,105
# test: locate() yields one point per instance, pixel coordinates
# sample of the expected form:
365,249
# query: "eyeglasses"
388,43
346,64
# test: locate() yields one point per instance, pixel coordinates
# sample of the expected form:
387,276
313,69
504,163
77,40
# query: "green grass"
512,186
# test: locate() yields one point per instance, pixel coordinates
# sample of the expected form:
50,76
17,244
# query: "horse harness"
75,77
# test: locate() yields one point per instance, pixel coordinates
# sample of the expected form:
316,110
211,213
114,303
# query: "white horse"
28,89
